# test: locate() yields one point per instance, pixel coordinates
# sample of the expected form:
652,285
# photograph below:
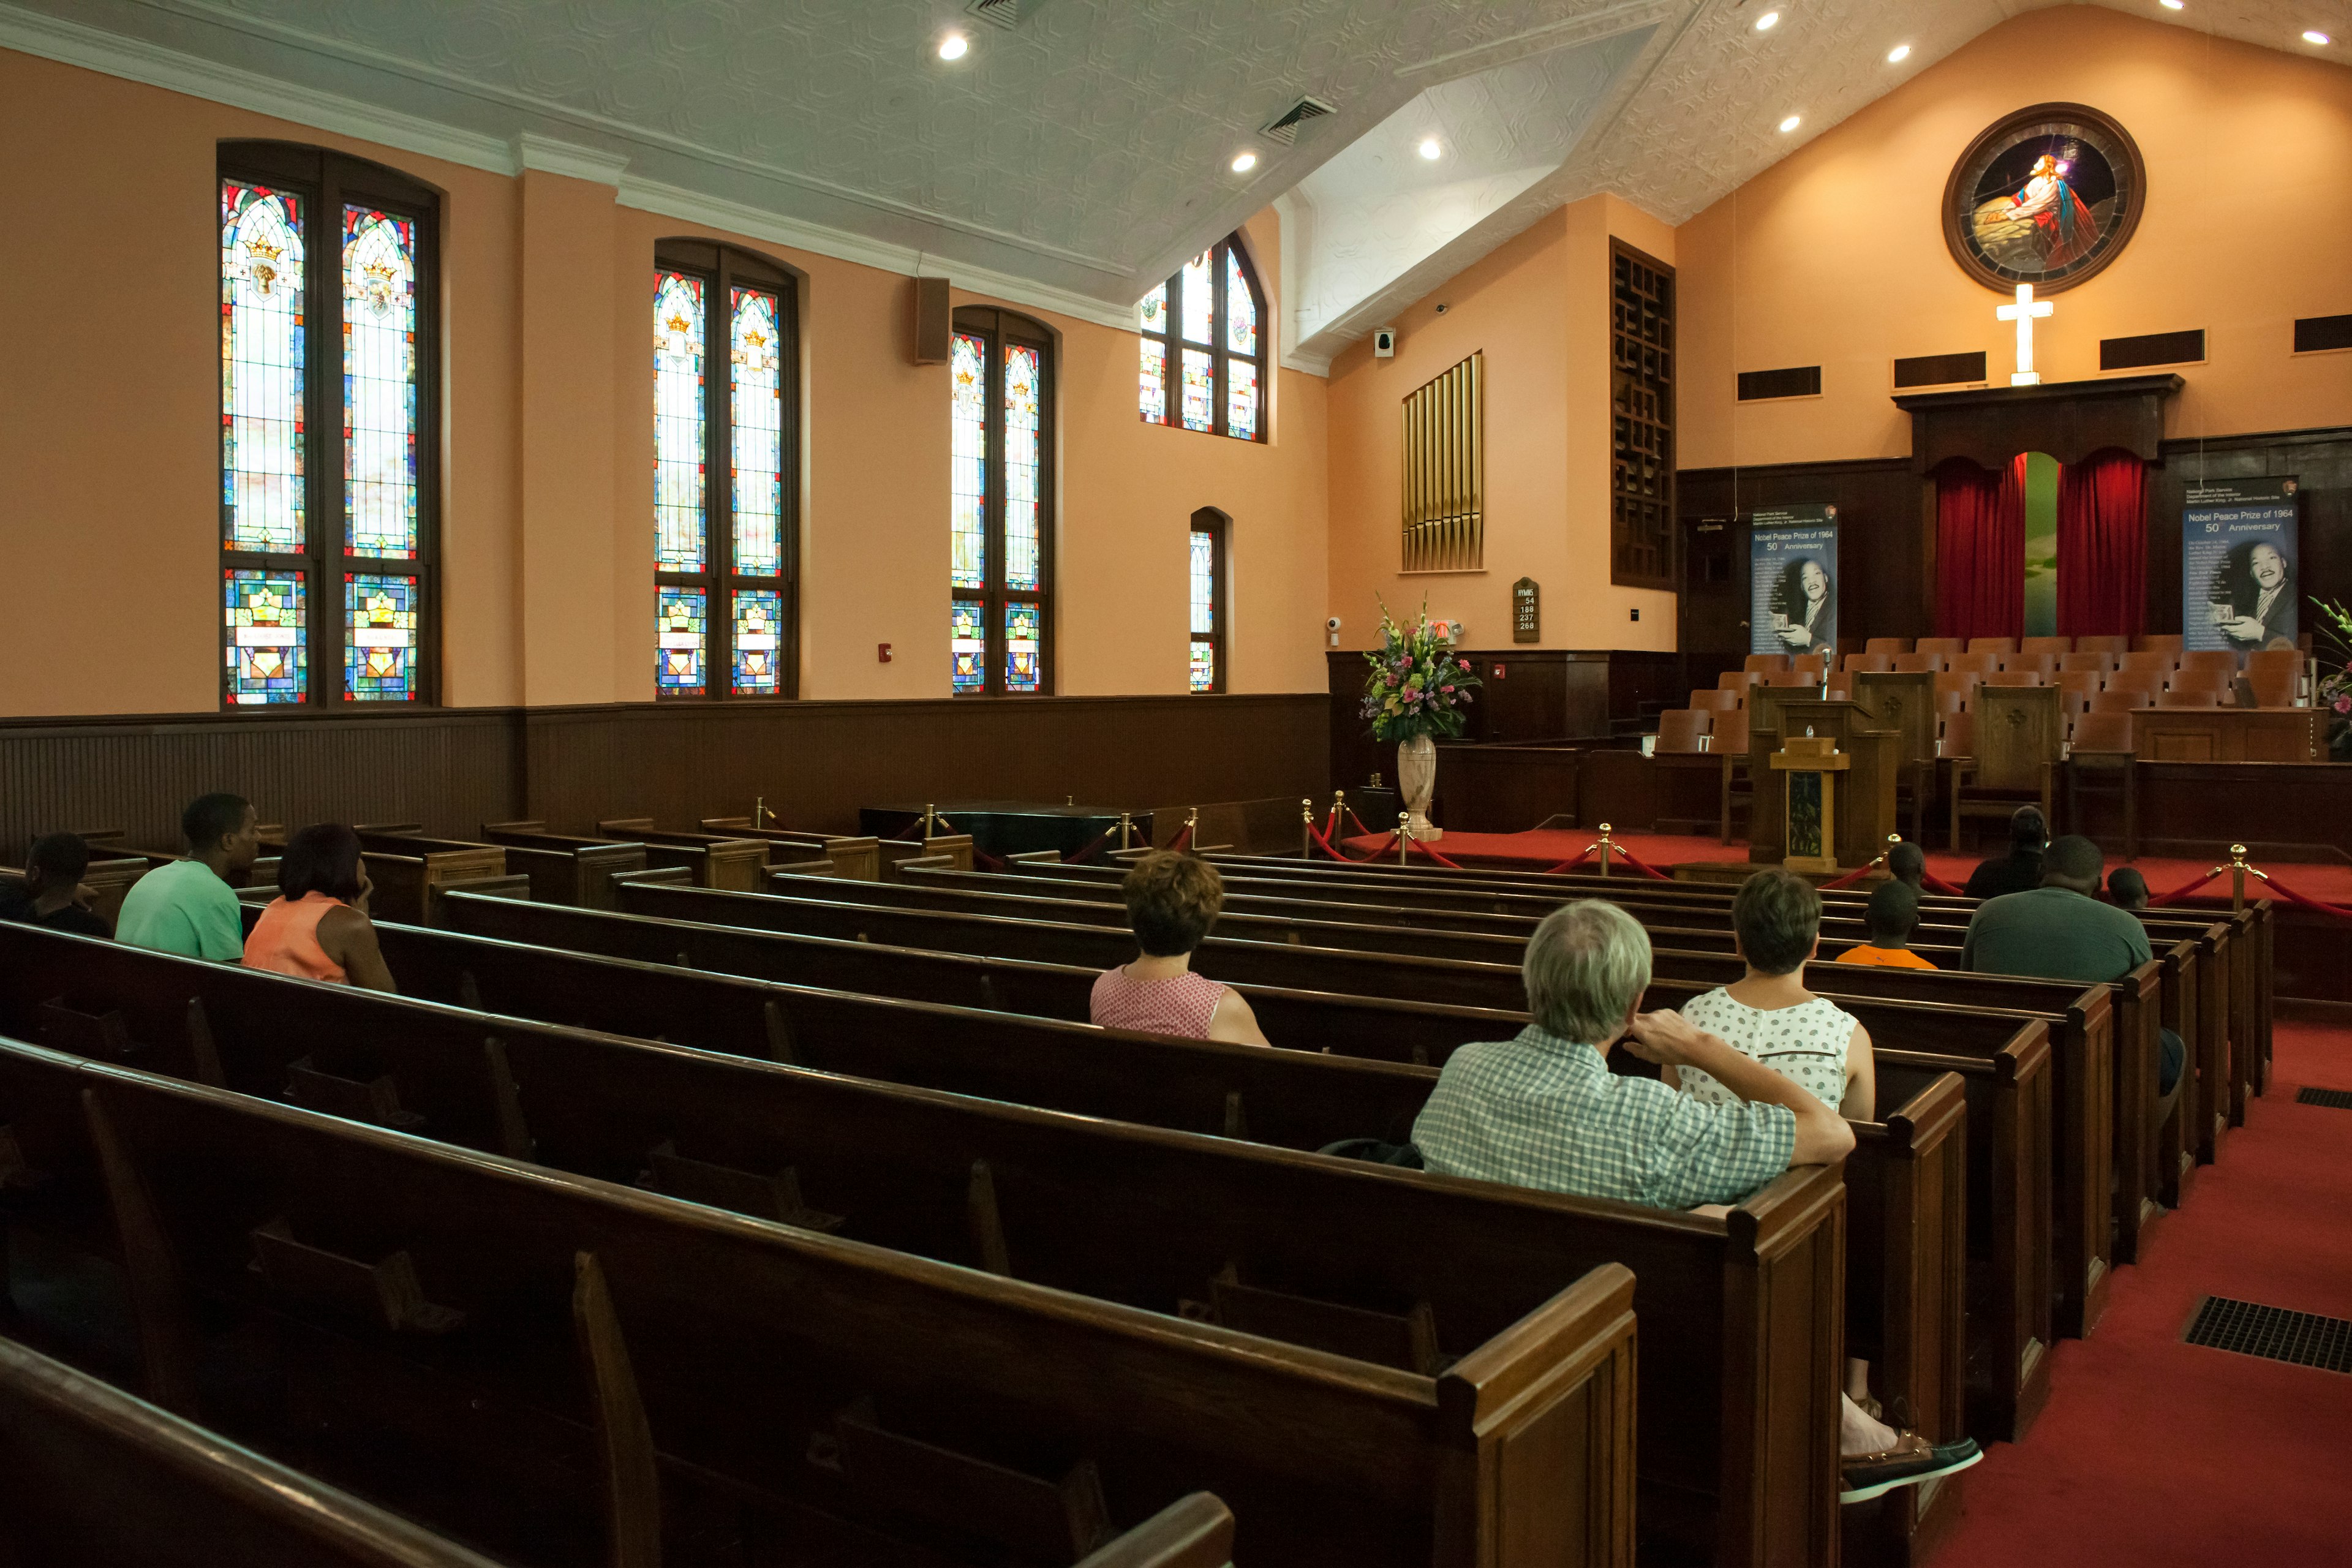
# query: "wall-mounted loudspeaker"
933,320
1384,343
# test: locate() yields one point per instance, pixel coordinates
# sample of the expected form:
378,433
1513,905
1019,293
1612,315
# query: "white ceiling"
1077,159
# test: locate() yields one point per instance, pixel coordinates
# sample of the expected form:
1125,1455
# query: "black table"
1003,827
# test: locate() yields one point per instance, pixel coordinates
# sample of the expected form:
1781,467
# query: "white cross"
2022,313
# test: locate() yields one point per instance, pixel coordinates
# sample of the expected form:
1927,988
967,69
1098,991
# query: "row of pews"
808,1221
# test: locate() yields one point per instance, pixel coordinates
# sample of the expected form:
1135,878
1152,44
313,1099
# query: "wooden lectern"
1860,796
1810,766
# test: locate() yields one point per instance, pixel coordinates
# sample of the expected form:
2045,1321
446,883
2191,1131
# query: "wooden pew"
1354,1461
896,852
92,1477
568,870
855,858
717,862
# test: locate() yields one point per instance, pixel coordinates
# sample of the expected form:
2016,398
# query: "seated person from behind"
1892,916
2020,870
186,907
2061,930
1767,1014
317,928
1171,902
52,889
2127,888
1543,1111
1907,864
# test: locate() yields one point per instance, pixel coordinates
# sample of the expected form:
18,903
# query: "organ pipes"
1445,469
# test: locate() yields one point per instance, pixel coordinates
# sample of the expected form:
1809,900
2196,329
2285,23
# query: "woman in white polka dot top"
1768,1014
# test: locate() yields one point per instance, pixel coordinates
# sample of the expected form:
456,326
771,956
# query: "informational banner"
1792,580
2239,557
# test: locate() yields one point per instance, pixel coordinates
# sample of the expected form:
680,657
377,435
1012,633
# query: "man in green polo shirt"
187,907
2063,930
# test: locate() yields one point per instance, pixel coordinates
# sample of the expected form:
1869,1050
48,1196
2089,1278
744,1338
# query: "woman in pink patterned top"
1171,902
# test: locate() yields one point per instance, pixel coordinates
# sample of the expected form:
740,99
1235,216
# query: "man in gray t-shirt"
2060,932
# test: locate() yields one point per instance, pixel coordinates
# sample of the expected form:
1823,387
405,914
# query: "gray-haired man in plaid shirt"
1544,1110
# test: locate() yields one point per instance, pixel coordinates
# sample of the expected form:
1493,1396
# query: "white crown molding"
1313,364
758,223
72,44
545,155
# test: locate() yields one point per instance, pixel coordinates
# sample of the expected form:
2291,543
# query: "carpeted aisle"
2154,1452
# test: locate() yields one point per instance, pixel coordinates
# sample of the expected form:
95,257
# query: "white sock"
1858,1434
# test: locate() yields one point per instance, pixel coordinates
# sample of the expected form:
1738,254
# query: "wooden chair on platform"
1998,647
1907,704
1812,664
2015,677
2275,658
1839,686
1765,662
2086,661
2272,683
2208,661
2045,665
2222,684
2146,659
2079,686
1886,645
2118,645
1976,661
1957,737
1683,730
1941,645
1739,682
1792,678
2019,735
2188,696
2053,646
1914,663
1962,683
1715,700
1855,663
2104,751
2154,642
1947,702
2122,699
1730,740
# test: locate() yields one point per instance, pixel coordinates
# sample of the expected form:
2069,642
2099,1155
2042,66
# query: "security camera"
1443,309
1384,343
1331,625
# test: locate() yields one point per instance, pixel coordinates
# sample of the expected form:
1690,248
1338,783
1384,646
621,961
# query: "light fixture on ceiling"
954,46
2171,5
1898,54
1431,149
1244,161
1791,122
2314,36
1768,21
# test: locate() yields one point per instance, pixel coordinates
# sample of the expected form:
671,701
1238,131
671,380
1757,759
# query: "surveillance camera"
1332,625
1443,309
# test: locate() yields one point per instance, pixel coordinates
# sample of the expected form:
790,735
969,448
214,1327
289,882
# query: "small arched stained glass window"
1203,347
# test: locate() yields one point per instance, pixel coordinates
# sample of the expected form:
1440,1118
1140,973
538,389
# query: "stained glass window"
968,480
723,540
380,638
758,642
1021,647
1000,501
759,425
380,384
329,429
268,638
679,433
681,624
1203,347
263,362
968,646
1200,390
1207,600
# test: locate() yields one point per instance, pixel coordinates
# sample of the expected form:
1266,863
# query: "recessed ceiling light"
954,46
2170,5
1244,161
1431,149
1768,21
1790,123
1898,54
2314,36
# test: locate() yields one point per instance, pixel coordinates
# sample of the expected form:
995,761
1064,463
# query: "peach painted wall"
547,552
1538,308
1835,256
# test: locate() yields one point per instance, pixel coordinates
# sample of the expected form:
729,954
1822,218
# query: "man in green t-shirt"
2062,931
187,907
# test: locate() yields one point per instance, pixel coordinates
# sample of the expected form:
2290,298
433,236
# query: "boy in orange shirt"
1892,915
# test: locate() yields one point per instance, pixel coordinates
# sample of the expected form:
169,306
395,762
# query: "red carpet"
2153,1452
1543,849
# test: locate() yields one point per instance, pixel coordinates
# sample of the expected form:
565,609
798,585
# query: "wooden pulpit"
1905,703
1861,812
1811,767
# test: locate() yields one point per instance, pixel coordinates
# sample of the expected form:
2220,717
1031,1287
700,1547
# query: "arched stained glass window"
999,415
724,553
1209,618
1203,364
328,482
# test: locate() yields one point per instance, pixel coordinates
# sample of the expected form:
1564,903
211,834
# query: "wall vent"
1305,111
1796,380
2316,334
1004,13
1939,370
2152,348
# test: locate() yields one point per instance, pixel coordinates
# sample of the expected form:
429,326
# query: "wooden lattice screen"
1444,470
1641,412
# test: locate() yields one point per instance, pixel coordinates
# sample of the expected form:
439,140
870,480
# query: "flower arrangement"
2332,637
1417,684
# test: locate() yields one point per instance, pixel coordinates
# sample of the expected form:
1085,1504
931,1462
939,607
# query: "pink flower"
1463,662
1392,681
2344,703
1445,688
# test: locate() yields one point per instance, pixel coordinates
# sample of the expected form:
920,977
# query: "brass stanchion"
928,813
1126,828
1606,847
1339,808
760,812
1192,831
1403,835
2237,879
1305,828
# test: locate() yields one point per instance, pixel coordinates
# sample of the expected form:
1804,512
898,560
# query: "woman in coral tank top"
1171,902
317,928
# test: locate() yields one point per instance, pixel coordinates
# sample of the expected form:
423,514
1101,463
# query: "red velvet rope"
1433,855
2281,889
1350,859
1849,879
2182,892
1087,854
1570,865
1182,841
1359,822
1639,864
1936,884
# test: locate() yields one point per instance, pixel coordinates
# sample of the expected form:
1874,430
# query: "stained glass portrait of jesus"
2047,196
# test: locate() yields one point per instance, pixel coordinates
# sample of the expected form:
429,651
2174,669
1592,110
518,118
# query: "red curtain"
2102,546
1980,549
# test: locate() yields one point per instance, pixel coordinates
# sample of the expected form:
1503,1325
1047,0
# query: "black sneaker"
1913,1460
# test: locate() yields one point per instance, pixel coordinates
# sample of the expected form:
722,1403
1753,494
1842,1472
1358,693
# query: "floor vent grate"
2303,1339
2341,1098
